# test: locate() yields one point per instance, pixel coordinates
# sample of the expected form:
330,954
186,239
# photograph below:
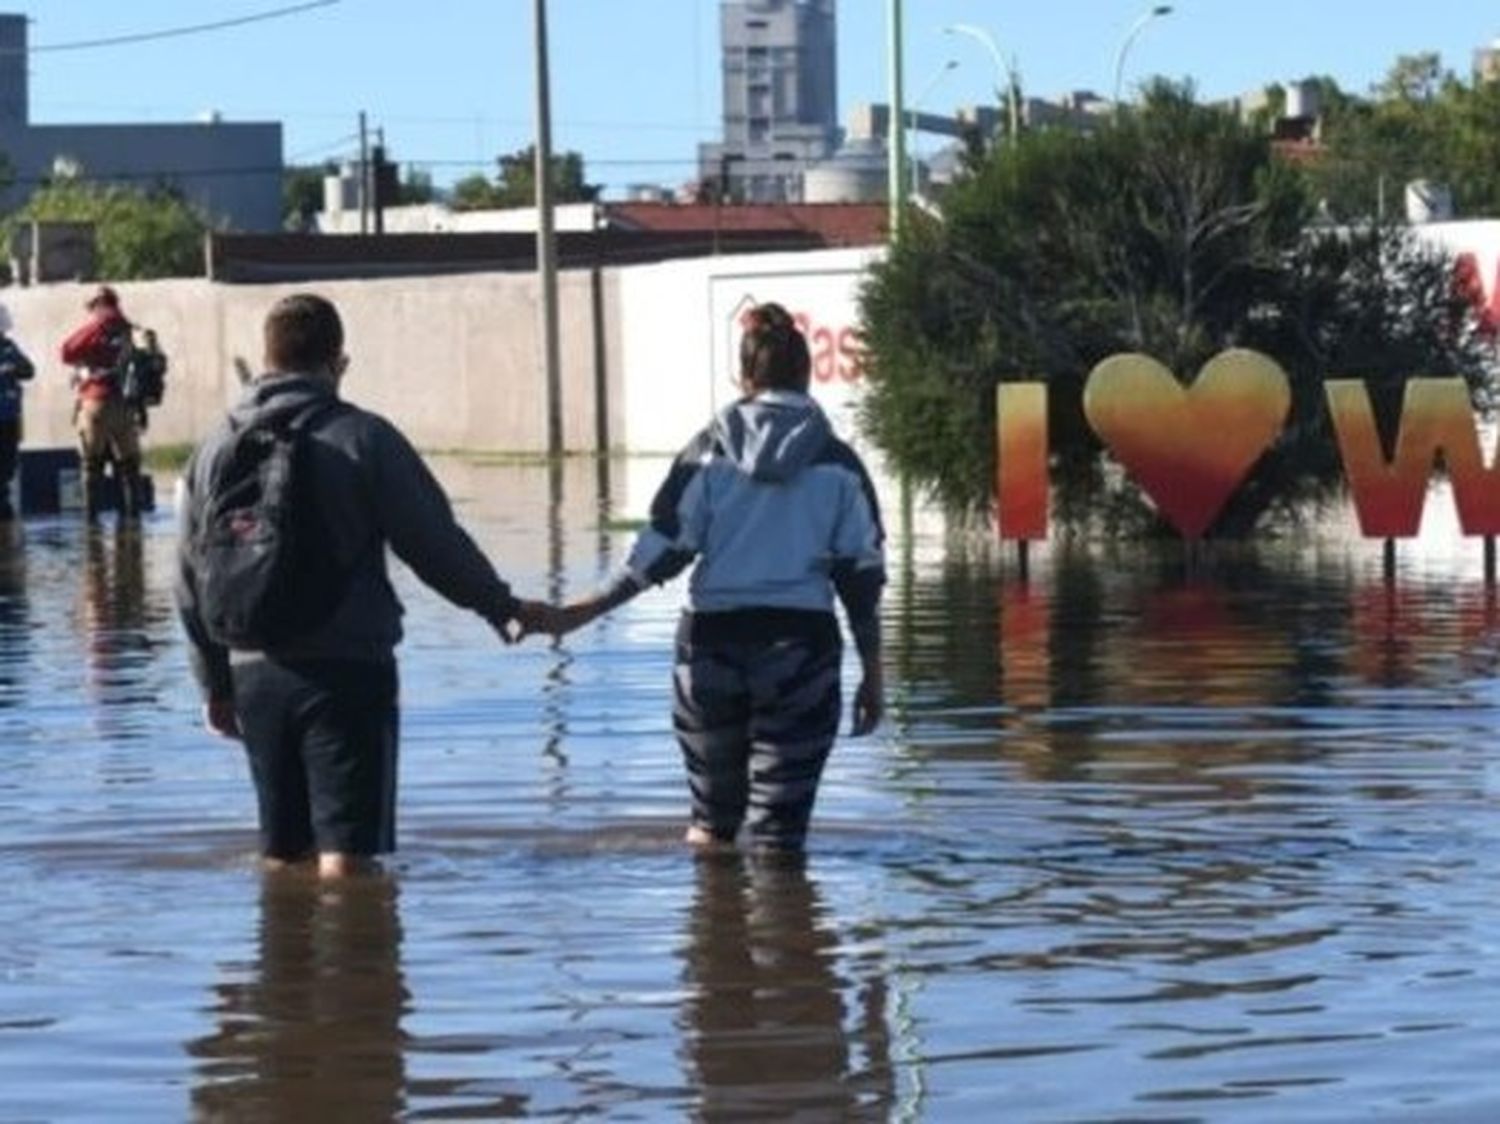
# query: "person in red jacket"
107,428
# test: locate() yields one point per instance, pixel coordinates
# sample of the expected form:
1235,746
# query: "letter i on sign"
1021,460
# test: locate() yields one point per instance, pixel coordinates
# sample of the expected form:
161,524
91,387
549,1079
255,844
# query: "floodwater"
1139,843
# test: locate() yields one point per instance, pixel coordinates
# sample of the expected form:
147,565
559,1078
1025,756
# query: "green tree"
139,233
415,188
302,193
516,184
1421,123
1172,231
1413,78
1470,163
474,193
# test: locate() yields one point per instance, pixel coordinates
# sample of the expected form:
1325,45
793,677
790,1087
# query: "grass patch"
624,524
500,459
167,458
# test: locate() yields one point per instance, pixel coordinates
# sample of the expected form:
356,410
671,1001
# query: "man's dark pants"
10,443
321,739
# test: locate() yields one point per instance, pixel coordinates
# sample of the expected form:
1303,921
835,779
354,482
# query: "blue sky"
635,82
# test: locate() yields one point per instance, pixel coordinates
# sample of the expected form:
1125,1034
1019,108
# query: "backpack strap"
293,425
294,422
306,418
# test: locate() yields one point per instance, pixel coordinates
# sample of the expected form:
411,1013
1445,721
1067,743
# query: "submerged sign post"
1189,448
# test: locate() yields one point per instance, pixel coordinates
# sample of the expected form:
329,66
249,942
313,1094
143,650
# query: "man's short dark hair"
303,334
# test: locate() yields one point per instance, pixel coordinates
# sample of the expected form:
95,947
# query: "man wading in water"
287,510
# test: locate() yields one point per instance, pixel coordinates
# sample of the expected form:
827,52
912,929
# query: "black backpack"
264,571
143,381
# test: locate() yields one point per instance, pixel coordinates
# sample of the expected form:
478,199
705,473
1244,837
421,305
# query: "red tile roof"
836,224
1306,151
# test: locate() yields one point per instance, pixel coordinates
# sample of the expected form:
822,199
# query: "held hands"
534,617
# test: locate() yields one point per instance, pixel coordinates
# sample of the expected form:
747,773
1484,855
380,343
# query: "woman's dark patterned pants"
756,720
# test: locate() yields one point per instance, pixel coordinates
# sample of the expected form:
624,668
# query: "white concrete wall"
680,337
452,360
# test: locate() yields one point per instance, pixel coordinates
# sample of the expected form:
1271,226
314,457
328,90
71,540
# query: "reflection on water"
1142,842
111,621
768,1034
13,612
312,1029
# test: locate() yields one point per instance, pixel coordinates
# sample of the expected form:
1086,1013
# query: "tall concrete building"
231,171
780,98
1487,62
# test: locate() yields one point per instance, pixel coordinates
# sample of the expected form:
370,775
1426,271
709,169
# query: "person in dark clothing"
318,713
781,517
15,369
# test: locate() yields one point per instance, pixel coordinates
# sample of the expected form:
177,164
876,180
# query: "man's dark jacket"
372,490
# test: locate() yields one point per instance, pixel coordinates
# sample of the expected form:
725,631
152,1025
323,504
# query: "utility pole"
896,131
546,241
723,194
375,174
364,176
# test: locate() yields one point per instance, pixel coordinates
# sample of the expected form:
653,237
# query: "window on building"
786,96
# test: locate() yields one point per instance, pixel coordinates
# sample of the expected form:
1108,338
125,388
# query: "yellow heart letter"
1188,447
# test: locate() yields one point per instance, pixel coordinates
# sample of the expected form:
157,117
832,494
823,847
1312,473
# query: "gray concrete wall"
453,361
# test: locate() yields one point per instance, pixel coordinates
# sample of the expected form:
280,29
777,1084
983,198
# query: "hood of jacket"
774,435
271,397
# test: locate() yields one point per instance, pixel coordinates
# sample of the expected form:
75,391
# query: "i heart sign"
1188,447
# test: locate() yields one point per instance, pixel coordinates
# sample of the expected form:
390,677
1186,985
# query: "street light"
916,112
1005,72
896,132
1155,12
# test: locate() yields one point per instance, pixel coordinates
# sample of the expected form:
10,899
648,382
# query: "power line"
315,150
169,174
175,32
285,115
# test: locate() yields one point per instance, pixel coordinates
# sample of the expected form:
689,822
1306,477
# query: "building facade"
780,77
230,171
1487,63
